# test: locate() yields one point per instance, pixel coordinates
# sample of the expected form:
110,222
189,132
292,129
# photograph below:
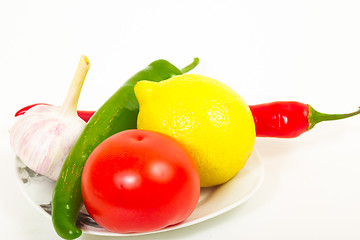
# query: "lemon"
209,118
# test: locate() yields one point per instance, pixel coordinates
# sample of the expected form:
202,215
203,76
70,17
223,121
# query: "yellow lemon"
208,117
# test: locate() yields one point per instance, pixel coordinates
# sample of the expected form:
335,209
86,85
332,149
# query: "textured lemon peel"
208,117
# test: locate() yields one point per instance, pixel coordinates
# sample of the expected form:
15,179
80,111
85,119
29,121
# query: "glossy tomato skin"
140,181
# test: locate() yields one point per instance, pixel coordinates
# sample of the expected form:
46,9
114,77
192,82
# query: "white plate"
213,201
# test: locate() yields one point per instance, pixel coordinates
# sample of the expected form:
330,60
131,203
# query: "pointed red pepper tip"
24,109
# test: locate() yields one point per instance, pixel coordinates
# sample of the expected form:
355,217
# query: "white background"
308,51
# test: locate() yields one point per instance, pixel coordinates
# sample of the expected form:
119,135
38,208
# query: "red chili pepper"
289,119
24,109
282,119
84,115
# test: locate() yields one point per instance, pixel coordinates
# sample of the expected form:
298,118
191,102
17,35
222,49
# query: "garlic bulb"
43,136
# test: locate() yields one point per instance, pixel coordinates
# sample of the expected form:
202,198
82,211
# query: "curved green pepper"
118,113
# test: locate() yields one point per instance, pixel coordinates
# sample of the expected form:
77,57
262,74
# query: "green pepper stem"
315,117
191,66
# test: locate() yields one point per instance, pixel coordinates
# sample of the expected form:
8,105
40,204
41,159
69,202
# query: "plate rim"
260,179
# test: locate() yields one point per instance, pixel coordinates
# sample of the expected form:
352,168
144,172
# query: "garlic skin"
43,136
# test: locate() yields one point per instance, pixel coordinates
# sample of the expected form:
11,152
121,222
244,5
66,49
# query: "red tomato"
139,181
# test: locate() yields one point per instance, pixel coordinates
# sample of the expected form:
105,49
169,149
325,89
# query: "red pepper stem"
315,117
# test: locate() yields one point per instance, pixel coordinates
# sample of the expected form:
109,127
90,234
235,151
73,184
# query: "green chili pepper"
118,113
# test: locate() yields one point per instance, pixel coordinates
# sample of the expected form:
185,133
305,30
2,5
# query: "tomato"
140,181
